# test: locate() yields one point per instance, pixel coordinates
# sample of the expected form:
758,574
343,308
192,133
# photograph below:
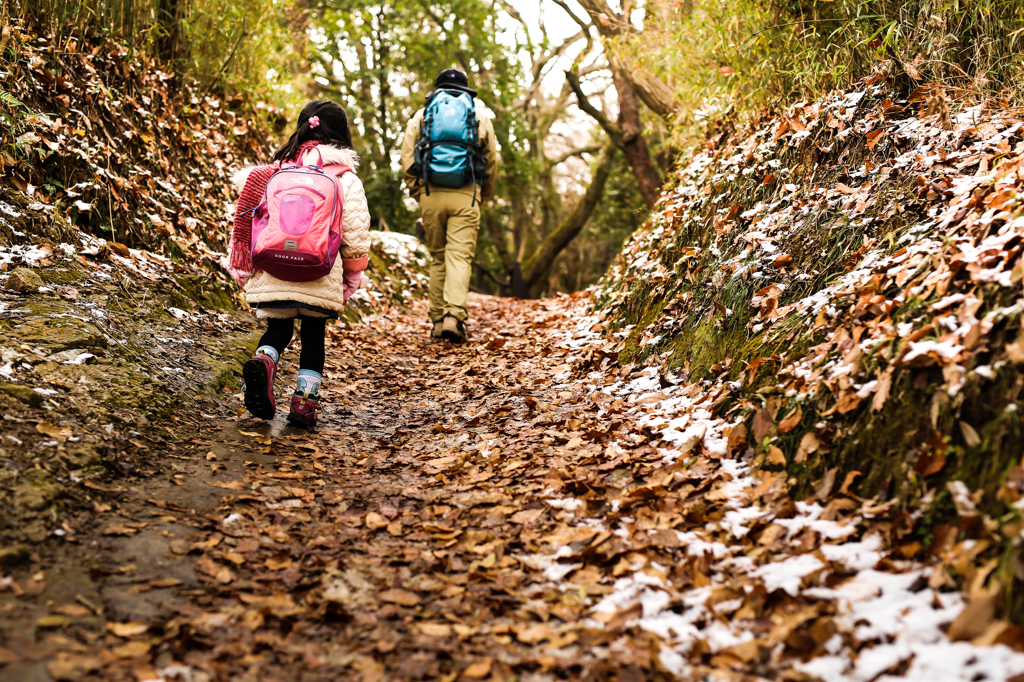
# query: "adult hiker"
299,248
450,159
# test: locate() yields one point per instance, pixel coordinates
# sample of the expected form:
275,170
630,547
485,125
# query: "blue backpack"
448,150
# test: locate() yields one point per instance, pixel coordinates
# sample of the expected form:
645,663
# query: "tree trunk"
649,88
634,146
169,40
537,265
658,96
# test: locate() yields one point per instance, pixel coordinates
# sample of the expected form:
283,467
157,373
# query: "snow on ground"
885,614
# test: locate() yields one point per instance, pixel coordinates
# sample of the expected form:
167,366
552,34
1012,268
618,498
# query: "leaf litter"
526,508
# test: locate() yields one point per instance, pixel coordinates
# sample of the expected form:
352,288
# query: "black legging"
312,331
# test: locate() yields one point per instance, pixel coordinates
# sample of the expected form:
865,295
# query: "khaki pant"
451,223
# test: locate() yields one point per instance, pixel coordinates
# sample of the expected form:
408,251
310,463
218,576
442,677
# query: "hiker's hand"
240,278
353,275
351,286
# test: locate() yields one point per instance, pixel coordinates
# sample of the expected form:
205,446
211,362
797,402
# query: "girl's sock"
309,383
269,351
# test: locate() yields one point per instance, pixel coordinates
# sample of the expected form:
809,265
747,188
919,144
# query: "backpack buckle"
291,245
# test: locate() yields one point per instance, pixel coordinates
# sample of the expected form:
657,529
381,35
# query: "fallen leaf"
791,420
130,629
375,521
61,433
131,649
971,436
974,619
119,529
477,670
435,629
527,516
400,597
808,445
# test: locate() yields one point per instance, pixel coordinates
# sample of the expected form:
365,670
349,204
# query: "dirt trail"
518,506
383,541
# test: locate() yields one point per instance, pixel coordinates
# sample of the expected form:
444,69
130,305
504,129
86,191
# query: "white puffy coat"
326,292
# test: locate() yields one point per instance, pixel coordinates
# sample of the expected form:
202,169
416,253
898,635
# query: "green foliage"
9,100
621,212
720,55
380,61
246,47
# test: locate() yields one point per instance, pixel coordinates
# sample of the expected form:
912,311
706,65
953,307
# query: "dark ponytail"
333,129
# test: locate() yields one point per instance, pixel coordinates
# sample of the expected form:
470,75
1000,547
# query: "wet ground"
519,507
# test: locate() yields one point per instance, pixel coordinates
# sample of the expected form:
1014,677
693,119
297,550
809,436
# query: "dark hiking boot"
304,410
452,329
259,373
435,331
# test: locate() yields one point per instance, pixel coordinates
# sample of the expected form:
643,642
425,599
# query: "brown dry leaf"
847,402
776,457
130,629
229,485
930,462
73,610
882,390
435,629
1015,351
72,667
782,259
119,529
52,622
235,558
527,516
874,136
61,433
218,572
974,619
791,420
534,634
375,521
278,563
131,649
478,670
625,615
808,445
400,597
971,436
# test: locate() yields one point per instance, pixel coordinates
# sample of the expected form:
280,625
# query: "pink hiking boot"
259,373
304,410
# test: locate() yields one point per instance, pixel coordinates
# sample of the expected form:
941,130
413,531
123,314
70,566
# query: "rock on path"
515,508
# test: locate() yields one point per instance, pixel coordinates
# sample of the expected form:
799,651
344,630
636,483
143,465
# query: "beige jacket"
326,292
488,145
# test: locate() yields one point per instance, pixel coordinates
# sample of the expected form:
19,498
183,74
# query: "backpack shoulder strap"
338,169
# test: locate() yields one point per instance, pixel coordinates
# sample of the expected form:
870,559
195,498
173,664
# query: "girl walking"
279,290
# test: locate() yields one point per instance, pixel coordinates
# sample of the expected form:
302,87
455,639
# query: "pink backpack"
296,229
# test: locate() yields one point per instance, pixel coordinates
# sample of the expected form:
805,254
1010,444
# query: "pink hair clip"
314,121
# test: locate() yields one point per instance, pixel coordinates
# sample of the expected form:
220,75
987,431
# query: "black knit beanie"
453,79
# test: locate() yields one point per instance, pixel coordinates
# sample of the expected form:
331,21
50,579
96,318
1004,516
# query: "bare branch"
537,72
606,20
614,132
562,158
585,25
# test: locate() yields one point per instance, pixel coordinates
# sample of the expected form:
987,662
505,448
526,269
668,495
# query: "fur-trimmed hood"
333,155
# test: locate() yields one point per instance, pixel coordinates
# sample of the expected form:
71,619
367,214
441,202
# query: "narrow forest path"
515,508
